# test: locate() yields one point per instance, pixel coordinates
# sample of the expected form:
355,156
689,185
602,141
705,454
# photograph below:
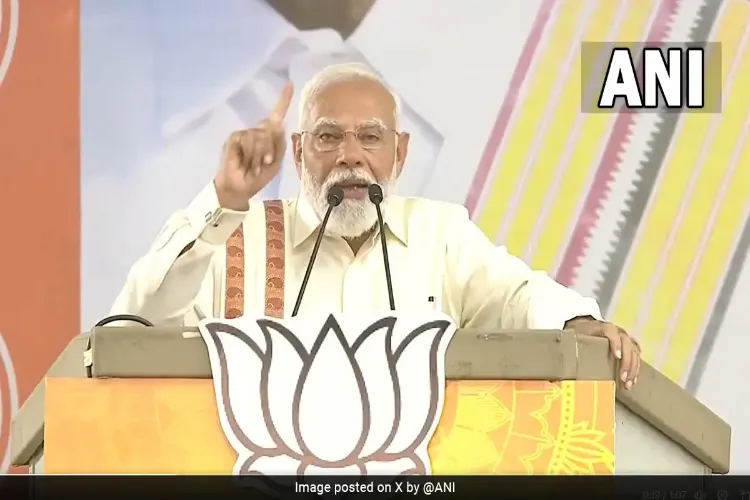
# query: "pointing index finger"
282,105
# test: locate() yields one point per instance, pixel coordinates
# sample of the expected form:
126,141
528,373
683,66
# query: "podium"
140,400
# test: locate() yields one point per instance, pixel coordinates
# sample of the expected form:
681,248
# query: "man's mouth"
354,189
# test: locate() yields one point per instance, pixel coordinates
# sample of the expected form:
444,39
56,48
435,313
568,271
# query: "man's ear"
402,149
297,151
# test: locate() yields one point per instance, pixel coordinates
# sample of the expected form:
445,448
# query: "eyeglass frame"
344,134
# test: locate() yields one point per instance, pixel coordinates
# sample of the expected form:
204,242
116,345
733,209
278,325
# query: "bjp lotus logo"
332,397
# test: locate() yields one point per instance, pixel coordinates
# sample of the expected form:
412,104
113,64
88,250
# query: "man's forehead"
353,103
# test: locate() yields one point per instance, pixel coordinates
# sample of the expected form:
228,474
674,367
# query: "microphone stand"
335,197
376,197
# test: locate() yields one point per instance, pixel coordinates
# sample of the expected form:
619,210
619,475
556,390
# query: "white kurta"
439,260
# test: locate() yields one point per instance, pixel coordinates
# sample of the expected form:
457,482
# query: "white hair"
338,73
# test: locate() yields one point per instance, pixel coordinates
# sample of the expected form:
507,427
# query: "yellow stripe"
728,223
556,135
665,202
687,237
593,130
519,141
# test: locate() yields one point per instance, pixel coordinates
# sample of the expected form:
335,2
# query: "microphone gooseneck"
335,197
376,197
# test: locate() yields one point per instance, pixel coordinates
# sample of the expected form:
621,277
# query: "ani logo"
8,34
8,403
337,395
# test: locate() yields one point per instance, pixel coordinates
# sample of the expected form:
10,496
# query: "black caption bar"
351,487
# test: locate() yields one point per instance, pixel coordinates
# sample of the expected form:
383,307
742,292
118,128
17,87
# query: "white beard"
352,218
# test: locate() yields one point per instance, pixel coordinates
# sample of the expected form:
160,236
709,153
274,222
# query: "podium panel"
142,400
171,426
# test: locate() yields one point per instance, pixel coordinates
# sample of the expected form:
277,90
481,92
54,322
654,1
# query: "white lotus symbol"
321,404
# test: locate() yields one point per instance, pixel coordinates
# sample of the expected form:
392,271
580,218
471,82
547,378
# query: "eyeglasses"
330,138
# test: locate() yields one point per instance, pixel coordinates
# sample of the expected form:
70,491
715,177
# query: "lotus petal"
279,380
373,354
280,465
420,367
349,470
231,350
331,402
403,465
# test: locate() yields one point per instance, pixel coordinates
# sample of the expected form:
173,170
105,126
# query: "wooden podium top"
141,352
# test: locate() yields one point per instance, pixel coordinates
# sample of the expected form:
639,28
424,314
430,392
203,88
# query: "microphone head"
376,194
335,196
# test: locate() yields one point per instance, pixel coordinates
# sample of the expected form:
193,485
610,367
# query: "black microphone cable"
335,197
376,197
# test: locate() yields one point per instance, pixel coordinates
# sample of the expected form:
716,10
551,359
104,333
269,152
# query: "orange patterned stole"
234,288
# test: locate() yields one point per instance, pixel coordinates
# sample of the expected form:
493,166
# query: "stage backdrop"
646,212
39,194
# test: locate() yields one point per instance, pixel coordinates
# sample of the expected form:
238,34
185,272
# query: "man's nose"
350,153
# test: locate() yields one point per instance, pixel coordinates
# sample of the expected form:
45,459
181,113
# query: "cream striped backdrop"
643,211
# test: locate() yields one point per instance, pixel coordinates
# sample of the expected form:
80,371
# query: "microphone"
335,197
376,197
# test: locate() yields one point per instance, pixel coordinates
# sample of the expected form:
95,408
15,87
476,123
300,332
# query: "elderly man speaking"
228,254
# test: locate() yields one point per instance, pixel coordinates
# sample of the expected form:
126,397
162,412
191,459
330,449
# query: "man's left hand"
623,346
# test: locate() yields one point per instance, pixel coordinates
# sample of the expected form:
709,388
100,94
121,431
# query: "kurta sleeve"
162,286
497,290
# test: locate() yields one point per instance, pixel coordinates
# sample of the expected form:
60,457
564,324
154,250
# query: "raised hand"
251,158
